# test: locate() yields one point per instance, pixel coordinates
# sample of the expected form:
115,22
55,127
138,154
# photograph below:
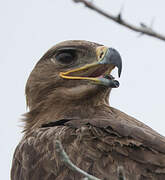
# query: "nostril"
101,55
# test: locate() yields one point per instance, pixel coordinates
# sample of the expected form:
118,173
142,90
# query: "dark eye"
66,57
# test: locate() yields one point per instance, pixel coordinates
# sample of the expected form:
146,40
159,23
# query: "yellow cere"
100,52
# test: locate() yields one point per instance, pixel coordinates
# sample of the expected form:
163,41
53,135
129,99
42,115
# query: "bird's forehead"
77,44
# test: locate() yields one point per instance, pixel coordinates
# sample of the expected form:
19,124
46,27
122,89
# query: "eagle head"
73,72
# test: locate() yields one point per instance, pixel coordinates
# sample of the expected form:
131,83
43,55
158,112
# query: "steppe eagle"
68,98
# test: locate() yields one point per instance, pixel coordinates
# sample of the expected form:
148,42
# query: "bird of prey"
67,95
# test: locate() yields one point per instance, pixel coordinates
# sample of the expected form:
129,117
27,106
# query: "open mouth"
99,72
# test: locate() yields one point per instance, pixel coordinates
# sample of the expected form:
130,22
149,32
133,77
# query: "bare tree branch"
120,173
143,29
64,158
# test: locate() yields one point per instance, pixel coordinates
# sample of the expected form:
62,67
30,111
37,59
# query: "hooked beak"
112,57
98,72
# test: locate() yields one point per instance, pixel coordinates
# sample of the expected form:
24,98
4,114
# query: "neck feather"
55,108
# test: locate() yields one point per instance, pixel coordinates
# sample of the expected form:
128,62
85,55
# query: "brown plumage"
65,104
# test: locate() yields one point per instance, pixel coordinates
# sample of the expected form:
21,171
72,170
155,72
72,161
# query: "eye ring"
66,57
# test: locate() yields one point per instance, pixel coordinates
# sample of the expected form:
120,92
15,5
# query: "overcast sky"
30,28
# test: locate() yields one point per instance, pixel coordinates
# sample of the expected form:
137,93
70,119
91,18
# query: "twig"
120,173
64,158
119,20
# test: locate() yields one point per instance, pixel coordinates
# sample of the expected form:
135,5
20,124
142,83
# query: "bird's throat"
62,107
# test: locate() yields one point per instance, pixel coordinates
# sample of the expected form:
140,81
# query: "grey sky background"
30,28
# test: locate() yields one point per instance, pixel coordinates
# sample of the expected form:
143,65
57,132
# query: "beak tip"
116,84
119,72
116,59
